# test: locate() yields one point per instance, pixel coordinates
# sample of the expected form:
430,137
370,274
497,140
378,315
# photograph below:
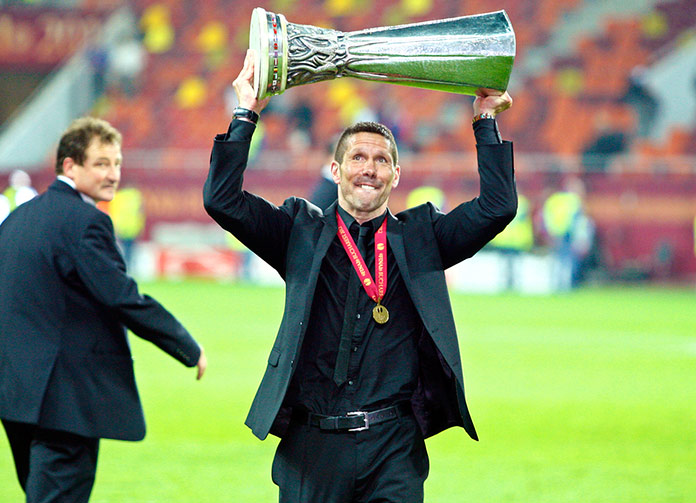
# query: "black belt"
353,421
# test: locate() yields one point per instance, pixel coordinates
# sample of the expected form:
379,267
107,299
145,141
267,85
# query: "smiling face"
366,175
98,176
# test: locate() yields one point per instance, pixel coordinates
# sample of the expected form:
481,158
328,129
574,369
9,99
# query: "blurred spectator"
4,208
98,57
395,116
352,108
246,257
158,31
302,116
404,11
325,192
20,189
643,102
127,212
609,142
347,7
571,231
212,42
301,121
585,247
192,93
416,7
517,238
426,194
126,62
695,236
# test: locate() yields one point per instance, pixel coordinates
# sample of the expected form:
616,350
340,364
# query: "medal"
375,289
380,314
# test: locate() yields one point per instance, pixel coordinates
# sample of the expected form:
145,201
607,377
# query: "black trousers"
52,466
387,464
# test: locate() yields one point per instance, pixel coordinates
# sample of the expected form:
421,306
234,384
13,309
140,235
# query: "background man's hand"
491,101
202,365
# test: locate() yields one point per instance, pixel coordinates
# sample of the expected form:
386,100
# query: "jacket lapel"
395,235
327,234
328,231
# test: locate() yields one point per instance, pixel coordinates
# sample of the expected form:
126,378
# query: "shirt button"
350,383
355,349
357,316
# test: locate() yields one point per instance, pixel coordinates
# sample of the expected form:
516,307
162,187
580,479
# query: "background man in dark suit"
66,373
366,362
325,192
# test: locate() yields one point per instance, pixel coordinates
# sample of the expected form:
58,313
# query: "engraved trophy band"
457,55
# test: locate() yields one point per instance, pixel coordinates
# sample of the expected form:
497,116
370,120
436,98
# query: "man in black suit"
66,372
366,362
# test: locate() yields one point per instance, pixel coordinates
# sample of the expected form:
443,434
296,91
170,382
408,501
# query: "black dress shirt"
383,364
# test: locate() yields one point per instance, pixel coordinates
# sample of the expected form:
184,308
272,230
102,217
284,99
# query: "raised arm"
469,226
262,226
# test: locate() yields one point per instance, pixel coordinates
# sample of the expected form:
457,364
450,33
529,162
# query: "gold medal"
380,314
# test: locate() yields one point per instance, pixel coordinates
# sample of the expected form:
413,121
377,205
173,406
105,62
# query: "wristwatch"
246,114
484,115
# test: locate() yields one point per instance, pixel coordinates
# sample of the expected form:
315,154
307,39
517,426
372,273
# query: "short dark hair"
79,135
364,127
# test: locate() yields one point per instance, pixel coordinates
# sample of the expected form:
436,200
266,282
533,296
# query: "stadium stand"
589,90
579,84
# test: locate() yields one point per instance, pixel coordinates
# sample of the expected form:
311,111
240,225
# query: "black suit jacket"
294,239
65,304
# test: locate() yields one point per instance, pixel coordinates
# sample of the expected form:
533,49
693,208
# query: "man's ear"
69,167
397,176
336,172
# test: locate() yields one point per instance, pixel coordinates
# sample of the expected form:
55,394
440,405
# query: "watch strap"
246,114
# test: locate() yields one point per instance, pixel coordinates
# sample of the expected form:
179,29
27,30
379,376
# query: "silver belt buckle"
362,413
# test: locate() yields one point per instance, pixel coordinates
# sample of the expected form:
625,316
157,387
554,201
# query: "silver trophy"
457,55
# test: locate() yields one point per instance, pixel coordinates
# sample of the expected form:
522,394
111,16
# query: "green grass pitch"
588,396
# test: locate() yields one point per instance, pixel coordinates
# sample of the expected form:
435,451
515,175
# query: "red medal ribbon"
375,290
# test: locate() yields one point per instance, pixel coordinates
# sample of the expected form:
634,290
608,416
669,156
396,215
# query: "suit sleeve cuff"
486,132
239,130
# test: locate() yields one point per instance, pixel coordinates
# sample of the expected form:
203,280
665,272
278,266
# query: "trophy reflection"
457,55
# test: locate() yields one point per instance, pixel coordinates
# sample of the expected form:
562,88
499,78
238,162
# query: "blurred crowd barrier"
642,219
